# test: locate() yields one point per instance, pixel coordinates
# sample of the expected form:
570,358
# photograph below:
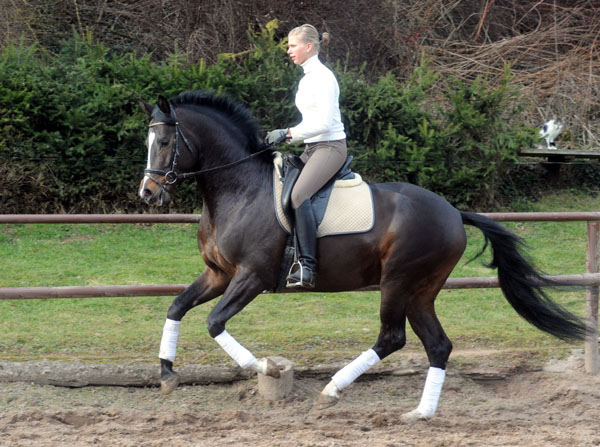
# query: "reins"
185,175
172,176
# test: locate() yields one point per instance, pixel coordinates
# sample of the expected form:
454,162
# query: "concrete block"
277,389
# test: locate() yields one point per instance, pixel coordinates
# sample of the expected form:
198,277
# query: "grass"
67,255
308,328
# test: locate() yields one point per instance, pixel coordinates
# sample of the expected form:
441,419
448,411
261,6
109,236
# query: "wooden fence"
590,278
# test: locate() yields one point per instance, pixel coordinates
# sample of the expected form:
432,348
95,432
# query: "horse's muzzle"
153,194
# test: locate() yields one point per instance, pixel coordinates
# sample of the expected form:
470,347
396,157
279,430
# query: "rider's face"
299,50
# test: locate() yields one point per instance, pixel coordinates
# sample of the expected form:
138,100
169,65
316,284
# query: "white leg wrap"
431,392
168,343
348,374
261,366
237,352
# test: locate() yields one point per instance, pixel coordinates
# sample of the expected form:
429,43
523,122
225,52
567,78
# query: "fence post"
591,301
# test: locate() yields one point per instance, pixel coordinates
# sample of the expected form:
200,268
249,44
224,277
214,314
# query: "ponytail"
309,34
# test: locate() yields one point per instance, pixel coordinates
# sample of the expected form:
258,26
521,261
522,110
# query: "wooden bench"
556,157
558,154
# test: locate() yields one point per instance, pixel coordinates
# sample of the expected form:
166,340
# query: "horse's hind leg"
426,325
392,337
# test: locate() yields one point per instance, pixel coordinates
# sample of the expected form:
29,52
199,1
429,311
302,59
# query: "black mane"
237,113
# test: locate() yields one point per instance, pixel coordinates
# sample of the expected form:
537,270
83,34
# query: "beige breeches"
322,160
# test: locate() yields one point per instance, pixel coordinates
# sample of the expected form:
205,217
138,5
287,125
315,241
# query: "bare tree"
551,45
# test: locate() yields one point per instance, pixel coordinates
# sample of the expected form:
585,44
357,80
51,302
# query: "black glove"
276,136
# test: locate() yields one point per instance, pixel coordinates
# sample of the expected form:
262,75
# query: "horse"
416,240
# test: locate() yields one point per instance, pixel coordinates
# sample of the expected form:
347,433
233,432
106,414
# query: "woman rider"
325,152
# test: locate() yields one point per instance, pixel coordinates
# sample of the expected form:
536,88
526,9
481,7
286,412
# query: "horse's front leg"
208,286
241,291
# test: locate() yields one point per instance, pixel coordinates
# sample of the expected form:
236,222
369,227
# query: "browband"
164,123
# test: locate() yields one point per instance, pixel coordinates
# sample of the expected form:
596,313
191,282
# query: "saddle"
344,205
291,169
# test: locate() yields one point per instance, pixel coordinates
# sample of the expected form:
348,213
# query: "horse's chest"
217,250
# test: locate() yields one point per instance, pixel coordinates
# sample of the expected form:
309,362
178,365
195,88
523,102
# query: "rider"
325,152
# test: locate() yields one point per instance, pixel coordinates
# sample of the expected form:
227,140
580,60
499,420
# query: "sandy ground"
506,406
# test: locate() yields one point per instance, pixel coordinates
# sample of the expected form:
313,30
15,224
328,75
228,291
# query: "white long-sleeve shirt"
318,101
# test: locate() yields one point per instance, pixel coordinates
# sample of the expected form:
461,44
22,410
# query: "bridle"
171,176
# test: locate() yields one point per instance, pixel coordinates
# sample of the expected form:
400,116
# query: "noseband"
172,176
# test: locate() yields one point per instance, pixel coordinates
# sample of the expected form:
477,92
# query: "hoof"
169,384
413,416
272,369
325,401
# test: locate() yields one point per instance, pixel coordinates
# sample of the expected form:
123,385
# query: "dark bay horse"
416,241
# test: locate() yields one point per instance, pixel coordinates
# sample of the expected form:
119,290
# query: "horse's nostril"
146,193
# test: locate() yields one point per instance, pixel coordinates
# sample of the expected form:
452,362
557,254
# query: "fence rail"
592,216
97,218
590,279
16,293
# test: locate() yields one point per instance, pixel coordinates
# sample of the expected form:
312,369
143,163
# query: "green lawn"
308,328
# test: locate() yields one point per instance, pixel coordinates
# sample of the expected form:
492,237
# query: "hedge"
72,134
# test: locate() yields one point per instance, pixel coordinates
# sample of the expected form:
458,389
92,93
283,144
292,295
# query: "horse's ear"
163,105
146,107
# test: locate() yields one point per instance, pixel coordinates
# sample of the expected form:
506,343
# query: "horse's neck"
236,186
227,185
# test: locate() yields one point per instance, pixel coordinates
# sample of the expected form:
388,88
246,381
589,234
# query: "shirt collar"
311,64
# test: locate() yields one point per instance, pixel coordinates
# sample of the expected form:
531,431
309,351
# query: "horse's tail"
522,284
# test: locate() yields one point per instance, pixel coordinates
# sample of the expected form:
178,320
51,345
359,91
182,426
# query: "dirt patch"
504,407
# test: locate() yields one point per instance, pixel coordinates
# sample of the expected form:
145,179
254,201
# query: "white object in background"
549,131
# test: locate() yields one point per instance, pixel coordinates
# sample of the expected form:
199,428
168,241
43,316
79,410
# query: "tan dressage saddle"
343,206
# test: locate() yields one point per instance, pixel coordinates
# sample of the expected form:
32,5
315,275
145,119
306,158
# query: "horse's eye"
163,144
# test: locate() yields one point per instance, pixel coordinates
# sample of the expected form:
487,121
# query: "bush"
75,116
459,149
69,121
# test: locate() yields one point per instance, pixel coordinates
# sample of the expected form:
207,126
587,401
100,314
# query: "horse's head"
166,157
181,130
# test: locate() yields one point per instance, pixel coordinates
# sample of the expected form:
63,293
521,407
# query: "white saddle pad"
349,210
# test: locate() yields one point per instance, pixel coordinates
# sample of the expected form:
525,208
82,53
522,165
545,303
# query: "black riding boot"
304,272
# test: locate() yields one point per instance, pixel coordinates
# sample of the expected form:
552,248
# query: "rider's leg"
323,160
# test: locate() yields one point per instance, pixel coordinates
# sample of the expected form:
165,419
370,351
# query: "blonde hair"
309,34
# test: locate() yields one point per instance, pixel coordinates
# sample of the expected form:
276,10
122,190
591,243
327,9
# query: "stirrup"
301,276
